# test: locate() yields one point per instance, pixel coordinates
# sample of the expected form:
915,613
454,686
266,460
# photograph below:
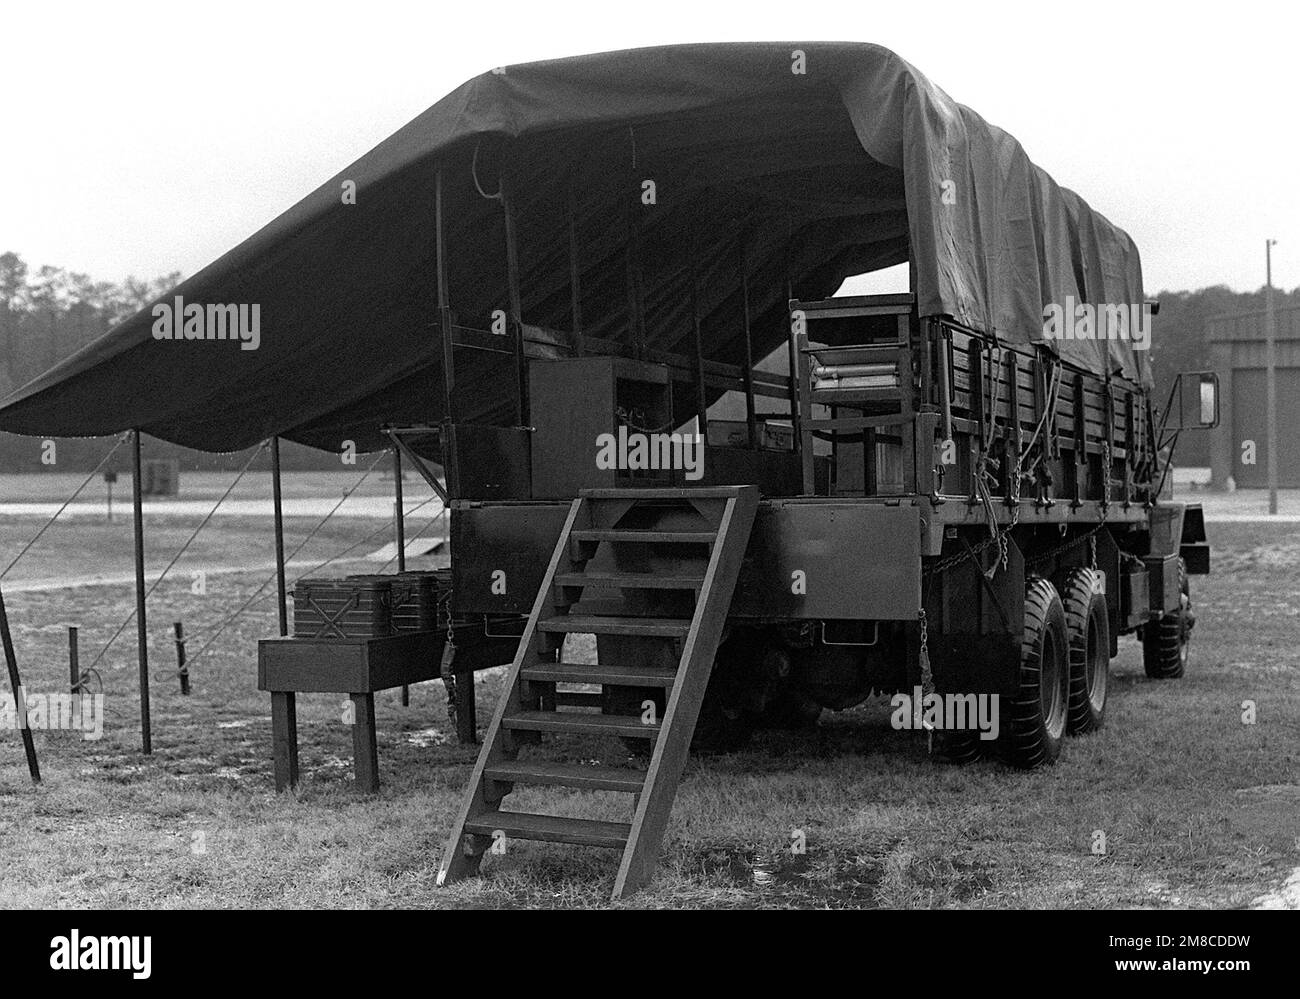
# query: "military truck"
601,294
953,493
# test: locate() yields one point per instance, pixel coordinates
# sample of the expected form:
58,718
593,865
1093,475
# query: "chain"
927,678
631,418
1092,550
1106,460
448,658
1090,537
1015,518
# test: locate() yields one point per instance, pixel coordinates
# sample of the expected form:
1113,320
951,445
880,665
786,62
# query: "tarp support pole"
445,328
751,420
281,586
575,280
401,538
697,348
516,303
632,253
141,629
796,420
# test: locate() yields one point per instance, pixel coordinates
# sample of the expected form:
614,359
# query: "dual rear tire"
1064,667
1034,720
1083,596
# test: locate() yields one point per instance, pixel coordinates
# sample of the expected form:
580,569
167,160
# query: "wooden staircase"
650,573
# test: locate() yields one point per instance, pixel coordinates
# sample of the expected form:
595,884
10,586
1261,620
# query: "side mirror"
1193,402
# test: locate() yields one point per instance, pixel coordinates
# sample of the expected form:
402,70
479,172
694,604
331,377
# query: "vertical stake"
1270,381
141,627
74,661
277,502
182,670
401,537
16,685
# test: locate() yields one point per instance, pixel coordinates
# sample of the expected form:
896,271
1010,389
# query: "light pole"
1270,337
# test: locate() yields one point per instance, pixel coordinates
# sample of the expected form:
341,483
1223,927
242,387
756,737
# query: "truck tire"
1034,724
1083,596
1165,642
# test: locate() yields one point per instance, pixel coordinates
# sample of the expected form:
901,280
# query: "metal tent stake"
142,633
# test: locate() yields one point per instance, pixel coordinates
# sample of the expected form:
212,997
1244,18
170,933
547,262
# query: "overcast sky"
141,138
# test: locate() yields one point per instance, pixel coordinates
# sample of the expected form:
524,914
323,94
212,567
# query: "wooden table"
358,667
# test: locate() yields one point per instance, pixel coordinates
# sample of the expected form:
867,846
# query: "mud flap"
975,625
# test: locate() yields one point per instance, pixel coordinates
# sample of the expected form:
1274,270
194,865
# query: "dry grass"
1198,809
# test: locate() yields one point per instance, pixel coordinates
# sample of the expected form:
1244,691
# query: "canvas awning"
797,178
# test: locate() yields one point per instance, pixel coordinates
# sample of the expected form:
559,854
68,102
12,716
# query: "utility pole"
1270,348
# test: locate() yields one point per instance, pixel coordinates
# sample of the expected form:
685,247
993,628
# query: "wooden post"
365,748
182,670
281,586
141,628
74,661
284,738
401,538
16,685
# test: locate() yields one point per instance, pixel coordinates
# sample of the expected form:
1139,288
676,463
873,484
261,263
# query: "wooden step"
614,676
631,580
551,829
641,536
627,726
639,627
576,775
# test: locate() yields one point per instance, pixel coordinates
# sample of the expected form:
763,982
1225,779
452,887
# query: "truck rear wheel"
1083,596
1035,725
1164,642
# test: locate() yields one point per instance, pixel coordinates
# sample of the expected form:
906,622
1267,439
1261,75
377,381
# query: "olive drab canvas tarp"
794,164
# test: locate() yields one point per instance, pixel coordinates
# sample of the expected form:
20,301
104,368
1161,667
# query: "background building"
1237,346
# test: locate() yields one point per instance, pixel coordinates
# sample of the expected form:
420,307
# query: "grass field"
1197,808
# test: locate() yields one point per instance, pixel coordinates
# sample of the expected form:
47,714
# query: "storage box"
342,609
414,599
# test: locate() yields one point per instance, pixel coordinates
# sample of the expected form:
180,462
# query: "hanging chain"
927,679
448,658
1106,481
1051,553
